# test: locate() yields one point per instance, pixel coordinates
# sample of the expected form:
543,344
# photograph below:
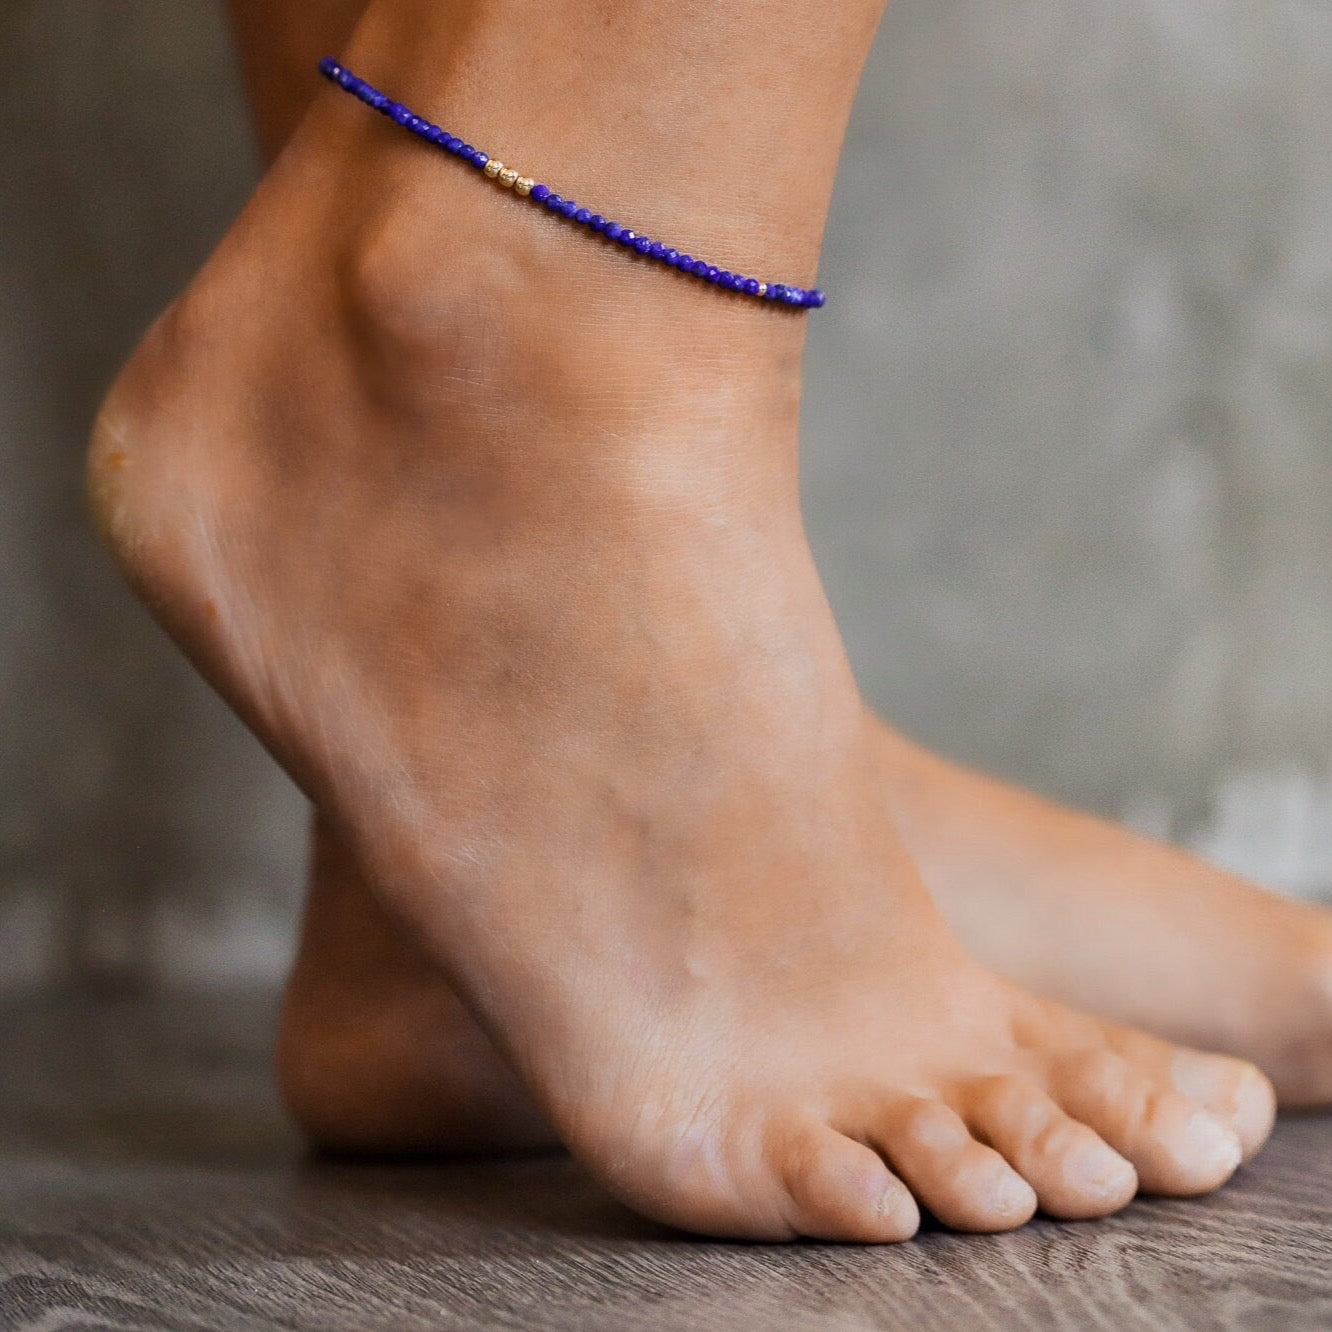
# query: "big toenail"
1197,1076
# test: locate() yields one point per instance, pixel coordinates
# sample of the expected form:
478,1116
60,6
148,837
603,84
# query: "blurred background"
1069,446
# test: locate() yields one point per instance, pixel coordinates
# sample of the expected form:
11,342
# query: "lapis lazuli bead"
808,298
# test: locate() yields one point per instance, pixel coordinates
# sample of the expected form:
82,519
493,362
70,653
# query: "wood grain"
147,1180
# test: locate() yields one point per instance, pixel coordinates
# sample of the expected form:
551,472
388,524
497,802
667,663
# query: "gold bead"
508,177
494,167
523,185
763,289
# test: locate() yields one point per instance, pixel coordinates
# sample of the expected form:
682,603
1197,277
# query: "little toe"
1176,1146
965,1184
841,1190
1075,1173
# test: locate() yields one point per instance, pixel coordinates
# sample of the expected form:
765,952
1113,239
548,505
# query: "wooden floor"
147,1181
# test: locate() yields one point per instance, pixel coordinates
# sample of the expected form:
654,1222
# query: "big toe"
1231,1090
1176,1146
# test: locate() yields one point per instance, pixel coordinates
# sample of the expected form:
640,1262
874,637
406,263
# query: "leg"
279,42
492,536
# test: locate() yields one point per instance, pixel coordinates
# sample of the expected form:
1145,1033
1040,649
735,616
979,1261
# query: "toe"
839,1189
964,1183
1175,1145
1075,1173
1232,1090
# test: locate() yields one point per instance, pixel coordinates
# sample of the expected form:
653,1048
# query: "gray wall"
1069,444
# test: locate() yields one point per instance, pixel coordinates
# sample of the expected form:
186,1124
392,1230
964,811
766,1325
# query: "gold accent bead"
763,289
523,185
494,167
508,178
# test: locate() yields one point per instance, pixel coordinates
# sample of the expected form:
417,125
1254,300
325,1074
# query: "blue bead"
810,298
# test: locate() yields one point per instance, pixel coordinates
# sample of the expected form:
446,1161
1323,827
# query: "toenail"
1198,1076
1103,1173
891,1197
1212,1143
1012,1196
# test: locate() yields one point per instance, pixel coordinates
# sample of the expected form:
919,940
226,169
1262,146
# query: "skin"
532,620
377,1053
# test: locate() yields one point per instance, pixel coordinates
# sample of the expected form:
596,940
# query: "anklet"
810,298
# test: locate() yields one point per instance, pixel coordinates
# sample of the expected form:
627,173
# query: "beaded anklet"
799,297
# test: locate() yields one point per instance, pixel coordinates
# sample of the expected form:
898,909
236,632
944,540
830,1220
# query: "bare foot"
378,1054
534,620
1091,914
